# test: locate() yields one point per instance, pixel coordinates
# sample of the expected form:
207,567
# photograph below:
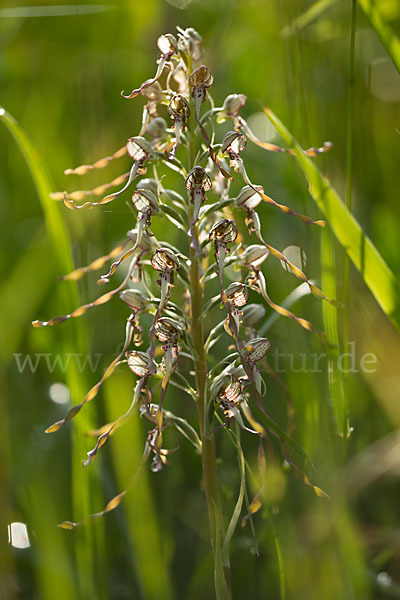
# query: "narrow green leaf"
41,179
384,31
298,293
330,318
374,14
27,274
307,17
141,522
362,252
221,588
238,507
61,250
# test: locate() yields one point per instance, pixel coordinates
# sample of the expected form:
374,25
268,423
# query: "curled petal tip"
55,427
37,323
88,461
67,525
133,94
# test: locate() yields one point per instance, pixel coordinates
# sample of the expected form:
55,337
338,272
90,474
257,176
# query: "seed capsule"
140,363
134,299
224,231
165,260
252,314
145,201
201,78
178,108
138,148
168,330
237,294
198,179
233,143
248,197
256,349
167,44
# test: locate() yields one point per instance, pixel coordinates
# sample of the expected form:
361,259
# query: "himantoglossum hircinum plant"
204,338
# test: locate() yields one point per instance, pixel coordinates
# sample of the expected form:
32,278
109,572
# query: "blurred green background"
61,77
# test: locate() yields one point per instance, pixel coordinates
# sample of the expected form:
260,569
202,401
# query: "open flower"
198,182
179,111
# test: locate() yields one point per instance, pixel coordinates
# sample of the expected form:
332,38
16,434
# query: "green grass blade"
142,521
298,293
330,318
307,17
27,274
56,228
238,506
221,588
372,11
67,340
362,252
279,556
384,31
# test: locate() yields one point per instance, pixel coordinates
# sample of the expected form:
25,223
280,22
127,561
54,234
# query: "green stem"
349,125
208,456
349,165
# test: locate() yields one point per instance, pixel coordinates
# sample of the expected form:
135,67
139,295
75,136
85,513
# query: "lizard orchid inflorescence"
217,361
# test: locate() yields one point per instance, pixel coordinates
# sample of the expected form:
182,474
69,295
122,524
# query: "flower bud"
198,179
134,299
140,363
145,201
165,260
253,256
256,349
168,330
252,314
157,128
233,143
178,108
237,294
167,44
154,92
224,231
233,103
138,148
248,197
148,184
146,243
191,41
